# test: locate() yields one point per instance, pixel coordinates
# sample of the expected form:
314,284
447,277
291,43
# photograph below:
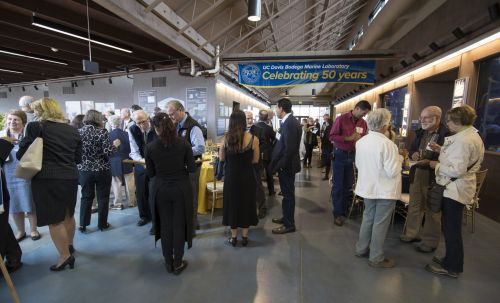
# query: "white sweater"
458,153
379,167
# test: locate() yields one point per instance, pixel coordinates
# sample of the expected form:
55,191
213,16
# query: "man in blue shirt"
190,129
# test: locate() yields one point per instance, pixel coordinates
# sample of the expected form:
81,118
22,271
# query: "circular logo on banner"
250,74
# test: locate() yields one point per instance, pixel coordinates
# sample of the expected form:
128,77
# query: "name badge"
359,130
278,136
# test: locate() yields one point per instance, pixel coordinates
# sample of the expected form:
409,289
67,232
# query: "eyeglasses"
142,122
426,117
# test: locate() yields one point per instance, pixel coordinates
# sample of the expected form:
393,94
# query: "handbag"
31,162
436,192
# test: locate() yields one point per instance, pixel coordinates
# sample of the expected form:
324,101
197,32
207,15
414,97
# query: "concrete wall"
12,100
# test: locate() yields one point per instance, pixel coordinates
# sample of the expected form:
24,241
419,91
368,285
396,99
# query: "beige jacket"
459,152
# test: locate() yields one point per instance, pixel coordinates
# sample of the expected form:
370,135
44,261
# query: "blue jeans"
287,185
376,220
342,181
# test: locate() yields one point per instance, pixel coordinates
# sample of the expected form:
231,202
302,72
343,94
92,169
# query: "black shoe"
69,261
180,268
244,241
272,193
106,226
142,221
71,249
22,237
36,236
82,229
169,265
284,230
94,210
232,241
278,220
12,267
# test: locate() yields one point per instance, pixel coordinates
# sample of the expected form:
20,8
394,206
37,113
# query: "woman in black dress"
240,151
170,160
54,187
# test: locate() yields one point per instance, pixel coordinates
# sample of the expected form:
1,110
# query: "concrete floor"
315,264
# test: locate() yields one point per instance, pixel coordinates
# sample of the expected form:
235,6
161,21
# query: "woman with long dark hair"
170,160
240,151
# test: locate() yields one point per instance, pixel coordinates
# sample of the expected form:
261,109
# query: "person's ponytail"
166,128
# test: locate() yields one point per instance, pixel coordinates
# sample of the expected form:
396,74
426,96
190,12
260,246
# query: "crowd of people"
156,160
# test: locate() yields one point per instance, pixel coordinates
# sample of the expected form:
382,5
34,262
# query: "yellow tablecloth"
206,175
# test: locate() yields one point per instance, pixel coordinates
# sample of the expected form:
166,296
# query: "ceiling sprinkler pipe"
210,72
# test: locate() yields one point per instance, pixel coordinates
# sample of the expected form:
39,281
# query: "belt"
345,151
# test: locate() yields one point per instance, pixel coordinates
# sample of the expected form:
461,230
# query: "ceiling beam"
133,12
282,27
273,32
310,55
217,8
260,26
224,30
152,6
325,6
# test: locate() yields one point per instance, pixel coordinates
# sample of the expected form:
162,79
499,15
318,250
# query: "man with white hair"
191,130
140,134
25,105
126,119
432,132
379,183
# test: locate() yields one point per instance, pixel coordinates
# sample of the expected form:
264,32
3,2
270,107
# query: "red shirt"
344,126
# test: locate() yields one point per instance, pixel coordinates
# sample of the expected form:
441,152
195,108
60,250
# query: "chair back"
480,177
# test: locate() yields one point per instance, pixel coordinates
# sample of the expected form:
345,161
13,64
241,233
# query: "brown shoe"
338,221
407,239
386,263
438,270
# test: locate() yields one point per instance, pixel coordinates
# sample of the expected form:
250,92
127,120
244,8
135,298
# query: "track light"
10,90
110,81
416,56
51,26
24,89
434,46
153,67
313,92
458,33
127,69
36,87
92,81
404,63
286,92
254,10
494,11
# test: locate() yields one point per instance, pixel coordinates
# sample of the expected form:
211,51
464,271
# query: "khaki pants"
116,186
430,233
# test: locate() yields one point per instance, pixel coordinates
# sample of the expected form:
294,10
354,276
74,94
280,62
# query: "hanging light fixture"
254,10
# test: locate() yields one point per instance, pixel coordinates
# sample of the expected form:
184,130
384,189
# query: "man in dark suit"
285,160
266,135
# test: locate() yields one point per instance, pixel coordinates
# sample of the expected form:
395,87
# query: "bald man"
432,132
25,105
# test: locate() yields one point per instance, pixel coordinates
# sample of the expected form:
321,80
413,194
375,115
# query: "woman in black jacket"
54,187
170,160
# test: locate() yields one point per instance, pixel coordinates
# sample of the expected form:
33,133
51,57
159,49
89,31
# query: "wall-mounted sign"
460,92
196,104
406,113
275,74
147,100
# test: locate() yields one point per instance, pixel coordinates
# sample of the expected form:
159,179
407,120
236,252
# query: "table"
206,175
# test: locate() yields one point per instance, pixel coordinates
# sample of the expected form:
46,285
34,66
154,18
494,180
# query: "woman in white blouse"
460,157
379,183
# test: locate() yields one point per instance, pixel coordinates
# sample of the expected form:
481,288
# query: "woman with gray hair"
95,170
121,172
379,183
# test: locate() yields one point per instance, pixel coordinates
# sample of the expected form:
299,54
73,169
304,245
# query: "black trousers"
141,192
309,153
326,160
9,248
261,196
95,183
287,184
451,222
170,206
269,176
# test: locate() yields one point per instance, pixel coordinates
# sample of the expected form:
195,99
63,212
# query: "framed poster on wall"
460,92
147,100
196,104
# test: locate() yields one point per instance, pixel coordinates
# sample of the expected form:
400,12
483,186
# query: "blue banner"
276,74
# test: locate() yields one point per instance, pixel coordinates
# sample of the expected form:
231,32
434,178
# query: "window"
394,101
488,103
